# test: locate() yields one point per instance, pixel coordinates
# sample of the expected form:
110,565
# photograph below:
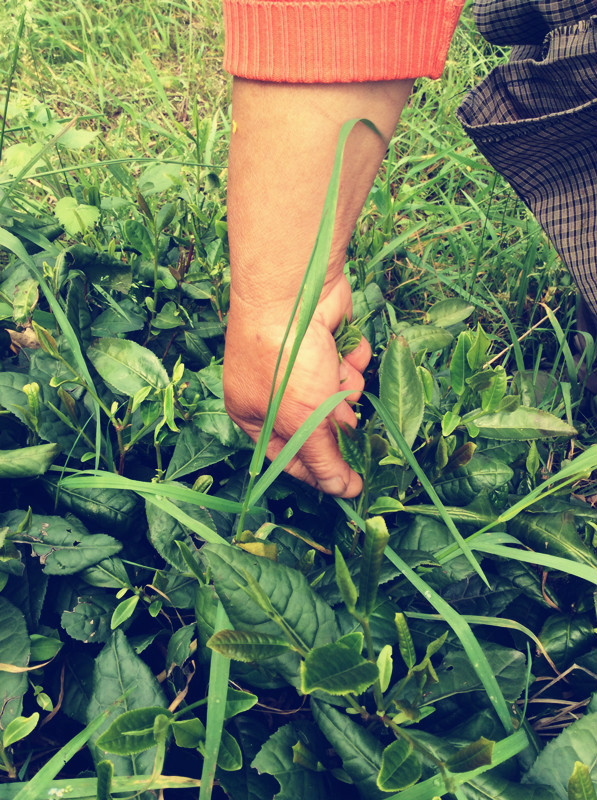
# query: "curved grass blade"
458,624
413,463
543,559
195,525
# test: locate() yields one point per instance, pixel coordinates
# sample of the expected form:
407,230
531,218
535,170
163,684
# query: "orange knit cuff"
338,41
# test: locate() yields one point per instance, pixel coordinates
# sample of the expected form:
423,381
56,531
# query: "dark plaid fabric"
535,120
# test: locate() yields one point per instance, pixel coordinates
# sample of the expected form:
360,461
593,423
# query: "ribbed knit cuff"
338,41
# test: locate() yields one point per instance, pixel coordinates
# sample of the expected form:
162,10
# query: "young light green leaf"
580,785
450,422
188,732
123,611
376,539
18,728
405,642
400,767
238,702
344,580
127,366
352,448
385,665
479,347
131,732
449,312
385,505
337,669
230,757
76,218
476,754
491,397
401,390
27,462
522,423
105,773
459,366
247,646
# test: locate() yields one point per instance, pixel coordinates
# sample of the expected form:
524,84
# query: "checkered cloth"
535,119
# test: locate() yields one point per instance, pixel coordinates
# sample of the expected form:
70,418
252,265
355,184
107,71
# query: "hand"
252,344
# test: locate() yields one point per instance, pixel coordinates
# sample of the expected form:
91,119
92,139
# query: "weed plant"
193,615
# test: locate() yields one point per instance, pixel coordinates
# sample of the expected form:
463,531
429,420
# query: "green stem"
7,764
377,693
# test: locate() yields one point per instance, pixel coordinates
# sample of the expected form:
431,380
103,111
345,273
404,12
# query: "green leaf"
556,762
179,647
405,642
12,396
449,312
351,443
230,757
522,423
238,702
108,272
376,539
479,347
580,785
401,390
247,645
336,669
188,732
195,450
115,510
276,757
75,218
131,732
25,299
309,618
105,773
64,546
344,580
124,611
426,337
567,636
385,665
18,728
360,751
400,767
122,679
385,505
89,620
127,366
165,530
43,648
459,366
14,650
491,397
462,485
450,421
552,534
476,754
456,674
27,462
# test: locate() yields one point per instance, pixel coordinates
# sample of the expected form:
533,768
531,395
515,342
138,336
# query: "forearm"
281,155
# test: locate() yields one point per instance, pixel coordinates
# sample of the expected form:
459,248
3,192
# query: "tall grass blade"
9,79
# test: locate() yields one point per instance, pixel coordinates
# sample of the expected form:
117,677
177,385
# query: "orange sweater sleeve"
338,41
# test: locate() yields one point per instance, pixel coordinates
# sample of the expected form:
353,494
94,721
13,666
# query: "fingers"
332,474
360,356
351,378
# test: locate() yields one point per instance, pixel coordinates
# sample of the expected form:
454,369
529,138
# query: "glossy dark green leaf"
374,544
580,785
461,485
165,531
566,636
276,758
555,763
247,783
311,620
211,417
100,268
449,312
337,669
188,732
400,767
522,423
195,450
127,366
123,682
401,390
360,751
131,732
27,462
127,318
554,534
456,674
114,510
476,754
230,757
179,647
14,650
89,620
247,645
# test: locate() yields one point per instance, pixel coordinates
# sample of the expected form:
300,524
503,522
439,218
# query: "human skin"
282,151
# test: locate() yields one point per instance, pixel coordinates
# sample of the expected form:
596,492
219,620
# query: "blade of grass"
574,568
195,525
79,788
219,669
9,79
97,479
414,464
458,624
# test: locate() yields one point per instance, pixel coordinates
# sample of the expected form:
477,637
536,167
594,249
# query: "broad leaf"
449,312
375,542
27,462
400,767
195,450
230,757
580,785
247,783
247,645
188,732
476,754
401,390
131,732
179,647
337,669
310,619
165,530
556,762
122,679
462,485
14,650
114,510
127,366
19,728
553,534
89,620
238,702
567,636
522,423
360,751
426,337
12,396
